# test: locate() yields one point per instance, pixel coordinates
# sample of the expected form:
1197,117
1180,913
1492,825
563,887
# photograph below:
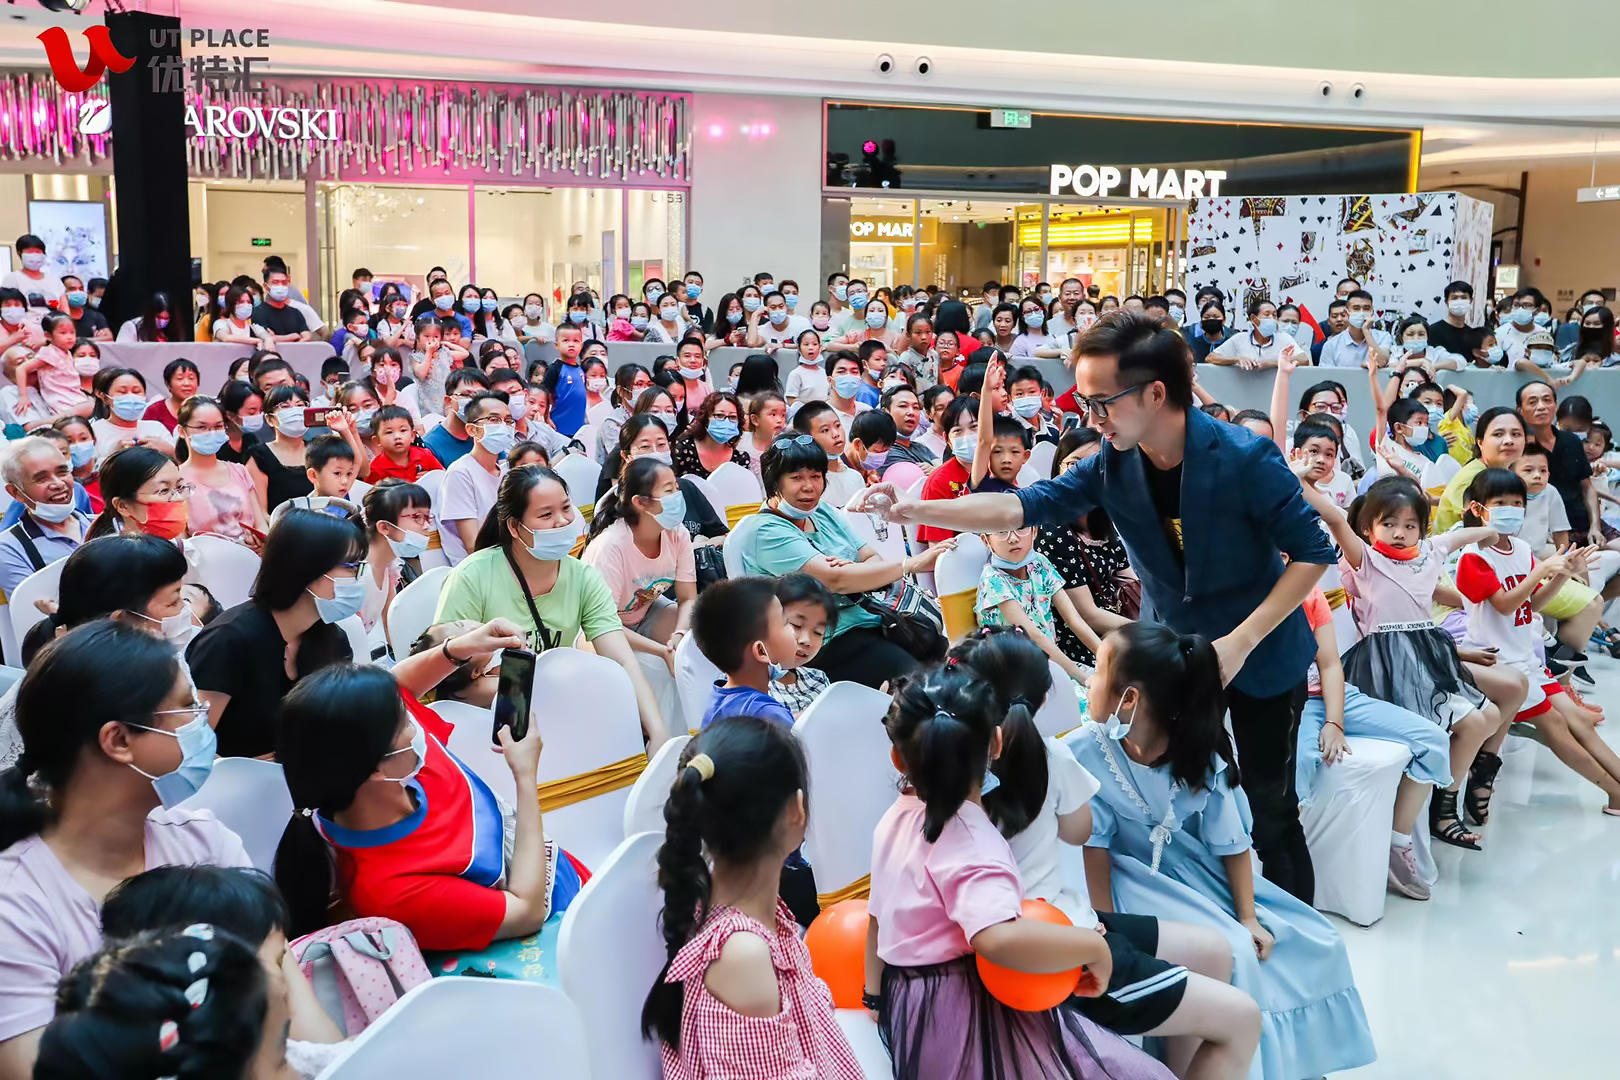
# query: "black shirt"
283,320
243,654
1164,487
704,317
88,323
1462,340
1569,469
286,481
239,457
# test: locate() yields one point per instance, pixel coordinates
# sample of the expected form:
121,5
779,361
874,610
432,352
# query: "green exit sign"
1010,118
261,241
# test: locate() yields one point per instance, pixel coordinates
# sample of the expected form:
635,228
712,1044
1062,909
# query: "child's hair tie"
704,764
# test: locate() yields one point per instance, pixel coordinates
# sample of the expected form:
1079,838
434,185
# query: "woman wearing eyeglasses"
114,740
1206,510
247,660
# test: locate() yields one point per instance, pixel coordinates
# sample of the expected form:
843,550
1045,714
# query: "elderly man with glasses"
1206,510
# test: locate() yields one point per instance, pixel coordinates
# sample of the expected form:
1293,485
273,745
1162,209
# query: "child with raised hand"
1504,587
1169,979
1170,836
1019,587
945,886
1390,568
737,996
1003,442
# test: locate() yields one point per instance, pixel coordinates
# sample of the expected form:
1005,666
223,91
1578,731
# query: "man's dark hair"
1146,352
1359,294
1337,304
1459,287
325,448
874,427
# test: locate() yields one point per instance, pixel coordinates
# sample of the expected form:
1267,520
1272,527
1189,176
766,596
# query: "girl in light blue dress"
1170,838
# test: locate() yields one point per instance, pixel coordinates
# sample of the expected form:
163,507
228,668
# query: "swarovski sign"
1103,181
217,121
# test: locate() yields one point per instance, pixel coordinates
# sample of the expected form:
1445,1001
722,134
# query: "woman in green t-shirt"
795,534
521,570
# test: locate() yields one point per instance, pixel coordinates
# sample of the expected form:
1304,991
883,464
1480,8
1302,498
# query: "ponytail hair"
127,1010
333,730
639,478
941,722
511,501
735,779
1179,678
1015,666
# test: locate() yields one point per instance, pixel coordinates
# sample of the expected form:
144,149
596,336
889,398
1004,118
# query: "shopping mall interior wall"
756,198
234,217
1578,244
13,207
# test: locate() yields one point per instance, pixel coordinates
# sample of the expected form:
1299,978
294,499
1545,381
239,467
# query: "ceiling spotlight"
75,6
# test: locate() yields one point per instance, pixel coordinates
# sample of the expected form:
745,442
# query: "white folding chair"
581,474
870,1053
710,495
413,608
956,576
40,585
456,1026
1059,714
853,777
359,640
228,568
9,676
1040,459
609,951
910,531
695,676
250,798
740,540
434,556
644,809
1347,828
471,728
738,489
585,708
9,647
1027,476
432,483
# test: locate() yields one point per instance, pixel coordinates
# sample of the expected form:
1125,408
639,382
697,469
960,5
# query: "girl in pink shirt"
54,371
945,886
737,999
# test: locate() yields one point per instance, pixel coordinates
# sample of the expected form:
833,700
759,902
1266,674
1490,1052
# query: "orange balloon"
837,944
1022,990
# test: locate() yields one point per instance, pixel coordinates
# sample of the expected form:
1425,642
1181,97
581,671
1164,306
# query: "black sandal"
1443,807
1481,776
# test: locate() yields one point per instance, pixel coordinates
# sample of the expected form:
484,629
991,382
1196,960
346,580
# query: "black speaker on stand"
149,171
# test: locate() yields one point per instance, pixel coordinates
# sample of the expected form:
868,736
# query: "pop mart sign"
1104,181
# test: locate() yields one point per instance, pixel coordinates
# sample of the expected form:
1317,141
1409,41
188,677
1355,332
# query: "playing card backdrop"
1404,249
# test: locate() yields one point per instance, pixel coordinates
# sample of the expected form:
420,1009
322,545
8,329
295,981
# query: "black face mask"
1213,326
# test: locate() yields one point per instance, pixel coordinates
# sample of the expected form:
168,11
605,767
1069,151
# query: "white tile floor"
1512,969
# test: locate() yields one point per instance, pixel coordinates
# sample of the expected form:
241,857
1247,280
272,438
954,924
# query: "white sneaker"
1403,874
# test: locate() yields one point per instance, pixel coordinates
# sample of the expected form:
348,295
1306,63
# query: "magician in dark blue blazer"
1207,511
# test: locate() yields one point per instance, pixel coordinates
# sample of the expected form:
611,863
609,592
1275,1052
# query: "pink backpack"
359,968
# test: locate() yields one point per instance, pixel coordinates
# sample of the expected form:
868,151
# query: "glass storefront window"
395,231
228,220
545,239
657,238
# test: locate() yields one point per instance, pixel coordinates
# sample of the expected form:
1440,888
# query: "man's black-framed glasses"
1098,407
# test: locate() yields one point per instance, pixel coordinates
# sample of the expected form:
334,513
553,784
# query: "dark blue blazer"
1240,507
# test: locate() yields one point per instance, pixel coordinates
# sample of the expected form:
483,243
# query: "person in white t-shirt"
808,380
1262,346
33,279
473,480
820,421
1546,522
844,374
780,328
1504,588
123,397
1168,977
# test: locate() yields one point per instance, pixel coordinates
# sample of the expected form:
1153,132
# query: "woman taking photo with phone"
412,831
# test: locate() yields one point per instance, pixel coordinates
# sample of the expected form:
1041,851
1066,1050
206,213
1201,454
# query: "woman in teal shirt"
793,533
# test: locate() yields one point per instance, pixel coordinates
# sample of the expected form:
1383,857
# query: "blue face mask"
128,406
472,305
877,319
1470,415
488,304
723,430
784,507
673,512
751,303
362,420
792,300
1012,564
962,448
1034,320
734,317
991,782
693,290
497,438
1492,355
1268,328
1542,318
197,746
1522,316
858,301
549,545
653,294
578,317
840,292
846,385
82,454
1507,520
348,596
411,545
1117,729
1435,416
639,322
206,443
77,297
1026,407
876,460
